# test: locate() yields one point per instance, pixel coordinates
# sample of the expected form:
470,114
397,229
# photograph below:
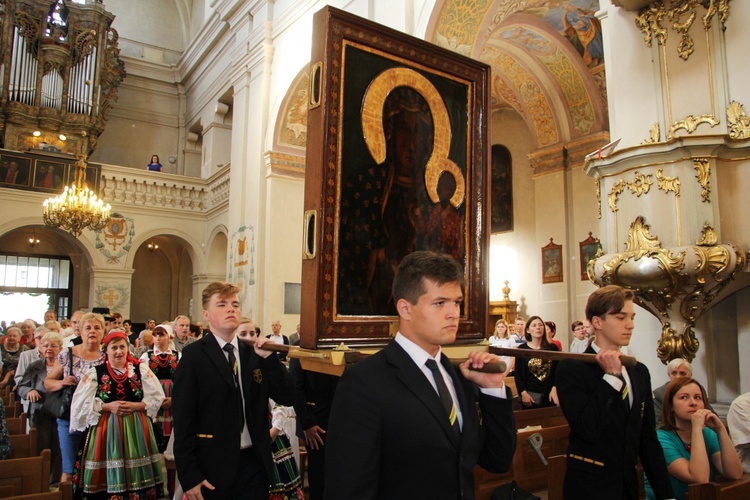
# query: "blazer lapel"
217,357
416,381
248,369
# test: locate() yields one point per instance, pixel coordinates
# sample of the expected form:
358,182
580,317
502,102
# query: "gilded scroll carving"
672,345
682,14
614,194
703,174
654,134
690,124
641,184
668,184
738,121
709,237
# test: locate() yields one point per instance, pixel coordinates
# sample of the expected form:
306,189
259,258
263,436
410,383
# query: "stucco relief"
115,296
293,130
242,265
115,240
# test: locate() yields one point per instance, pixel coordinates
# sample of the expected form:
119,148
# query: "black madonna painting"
404,162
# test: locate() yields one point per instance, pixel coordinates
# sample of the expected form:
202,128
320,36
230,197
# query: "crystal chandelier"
77,207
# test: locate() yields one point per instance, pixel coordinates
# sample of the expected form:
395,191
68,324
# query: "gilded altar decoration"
675,284
682,14
690,124
599,196
708,236
641,184
654,134
738,121
668,184
614,194
703,174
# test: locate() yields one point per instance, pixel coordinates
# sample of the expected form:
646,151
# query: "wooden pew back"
65,492
24,476
546,417
720,490
16,425
23,445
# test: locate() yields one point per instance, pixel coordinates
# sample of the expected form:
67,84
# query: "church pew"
551,416
528,470
23,445
24,476
16,425
65,492
720,490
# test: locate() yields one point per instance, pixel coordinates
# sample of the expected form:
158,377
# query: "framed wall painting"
501,182
15,171
49,175
552,263
589,248
397,161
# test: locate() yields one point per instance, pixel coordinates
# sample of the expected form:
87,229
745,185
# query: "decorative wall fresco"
115,296
242,265
116,239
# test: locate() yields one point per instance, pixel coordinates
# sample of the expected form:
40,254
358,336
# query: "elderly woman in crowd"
31,388
163,362
695,442
27,332
71,365
677,367
114,401
10,351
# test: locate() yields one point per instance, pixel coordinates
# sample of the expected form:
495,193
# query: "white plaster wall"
514,256
150,29
737,38
632,84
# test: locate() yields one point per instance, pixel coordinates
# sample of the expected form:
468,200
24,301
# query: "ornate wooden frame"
357,66
552,263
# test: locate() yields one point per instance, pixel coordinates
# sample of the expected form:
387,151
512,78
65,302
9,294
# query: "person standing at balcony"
154,166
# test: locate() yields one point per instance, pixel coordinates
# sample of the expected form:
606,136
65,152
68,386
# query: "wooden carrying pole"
354,356
555,355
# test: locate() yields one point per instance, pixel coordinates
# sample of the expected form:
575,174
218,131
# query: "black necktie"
445,395
229,348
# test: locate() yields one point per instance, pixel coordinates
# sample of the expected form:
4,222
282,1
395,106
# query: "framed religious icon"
49,175
552,263
15,171
589,249
397,161
502,189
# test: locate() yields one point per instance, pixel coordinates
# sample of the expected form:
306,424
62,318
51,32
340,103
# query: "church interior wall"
737,38
152,284
160,26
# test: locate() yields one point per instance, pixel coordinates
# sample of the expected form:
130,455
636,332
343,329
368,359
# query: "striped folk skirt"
119,460
287,484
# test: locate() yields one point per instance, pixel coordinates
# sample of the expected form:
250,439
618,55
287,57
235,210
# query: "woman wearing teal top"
695,442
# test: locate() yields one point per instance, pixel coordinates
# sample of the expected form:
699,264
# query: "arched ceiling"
546,58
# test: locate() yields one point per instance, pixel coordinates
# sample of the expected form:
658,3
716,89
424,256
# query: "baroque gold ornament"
677,285
739,122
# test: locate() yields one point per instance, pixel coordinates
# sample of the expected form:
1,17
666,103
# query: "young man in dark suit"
220,406
610,410
404,422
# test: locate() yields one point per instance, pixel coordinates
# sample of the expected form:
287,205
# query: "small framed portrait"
49,175
15,170
552,263
589,248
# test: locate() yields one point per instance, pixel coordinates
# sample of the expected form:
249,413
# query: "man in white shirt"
738,420
277,338
580,342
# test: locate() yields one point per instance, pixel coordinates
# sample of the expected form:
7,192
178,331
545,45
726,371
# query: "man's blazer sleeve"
499,423
185,411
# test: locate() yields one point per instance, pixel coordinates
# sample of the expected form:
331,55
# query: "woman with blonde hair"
501,338
69,369
696,443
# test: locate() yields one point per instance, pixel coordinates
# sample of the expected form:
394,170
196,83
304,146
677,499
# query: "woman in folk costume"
163,362
119,458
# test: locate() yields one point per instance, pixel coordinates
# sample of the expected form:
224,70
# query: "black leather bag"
57,403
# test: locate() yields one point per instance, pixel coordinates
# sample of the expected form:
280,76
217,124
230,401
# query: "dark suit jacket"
604,430
206,410
389,435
